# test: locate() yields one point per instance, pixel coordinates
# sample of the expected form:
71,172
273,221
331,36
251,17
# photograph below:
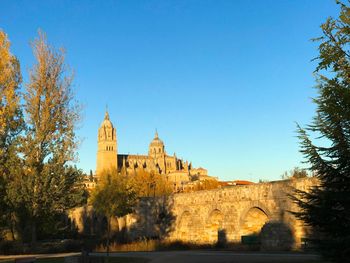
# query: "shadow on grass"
158,245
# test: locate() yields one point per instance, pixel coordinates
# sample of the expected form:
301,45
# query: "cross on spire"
106,114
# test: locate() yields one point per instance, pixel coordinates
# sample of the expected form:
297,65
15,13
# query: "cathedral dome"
106,122
156,142
156,146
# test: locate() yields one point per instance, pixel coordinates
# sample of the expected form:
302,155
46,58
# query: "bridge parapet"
210,216
239,210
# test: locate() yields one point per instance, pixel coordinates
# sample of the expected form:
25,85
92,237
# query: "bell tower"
106,146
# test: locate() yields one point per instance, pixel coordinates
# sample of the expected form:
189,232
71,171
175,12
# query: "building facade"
106,146
156,161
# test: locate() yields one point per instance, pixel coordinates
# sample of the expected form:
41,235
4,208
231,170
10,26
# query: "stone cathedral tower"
106,146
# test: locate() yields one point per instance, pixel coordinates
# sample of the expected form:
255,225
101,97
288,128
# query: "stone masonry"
226,214
237,211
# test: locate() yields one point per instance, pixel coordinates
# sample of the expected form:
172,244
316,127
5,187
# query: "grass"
144,245
157,245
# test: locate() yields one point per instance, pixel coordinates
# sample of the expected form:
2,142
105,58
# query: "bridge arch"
253,218
184,226
214,226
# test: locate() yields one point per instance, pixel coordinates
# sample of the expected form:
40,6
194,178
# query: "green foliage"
46,199
113,197
2,202
37,183
48,185
327,207
11,126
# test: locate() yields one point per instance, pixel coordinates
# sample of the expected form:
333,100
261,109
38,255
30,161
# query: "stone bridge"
226,214
232,212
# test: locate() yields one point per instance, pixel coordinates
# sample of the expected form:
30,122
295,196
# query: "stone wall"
224,214
236,211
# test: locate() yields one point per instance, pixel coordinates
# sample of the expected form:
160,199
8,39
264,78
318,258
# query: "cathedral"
157,160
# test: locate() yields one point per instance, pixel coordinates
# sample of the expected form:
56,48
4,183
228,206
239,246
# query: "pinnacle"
106,115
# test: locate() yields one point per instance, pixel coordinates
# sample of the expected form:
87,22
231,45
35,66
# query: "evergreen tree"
48,185
326,208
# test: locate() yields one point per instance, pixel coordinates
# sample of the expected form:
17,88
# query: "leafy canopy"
47,184
113,195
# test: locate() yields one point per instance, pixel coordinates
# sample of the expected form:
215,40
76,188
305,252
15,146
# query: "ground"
221,257
185,257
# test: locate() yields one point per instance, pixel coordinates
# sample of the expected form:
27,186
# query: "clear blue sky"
223,81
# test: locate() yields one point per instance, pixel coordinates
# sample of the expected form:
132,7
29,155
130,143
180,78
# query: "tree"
208,184
261,181
204,184
11,121
11,124
48,184
296,173
326,207
113,197
3,207
151,184
91,176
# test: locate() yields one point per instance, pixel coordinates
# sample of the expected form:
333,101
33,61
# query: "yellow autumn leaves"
10,79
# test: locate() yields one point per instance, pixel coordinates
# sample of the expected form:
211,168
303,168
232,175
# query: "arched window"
106,148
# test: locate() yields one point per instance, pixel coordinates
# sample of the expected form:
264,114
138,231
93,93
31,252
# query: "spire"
106,114
156,135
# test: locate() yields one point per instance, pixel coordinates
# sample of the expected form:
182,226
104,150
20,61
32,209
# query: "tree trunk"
12,226
108,233
34,237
